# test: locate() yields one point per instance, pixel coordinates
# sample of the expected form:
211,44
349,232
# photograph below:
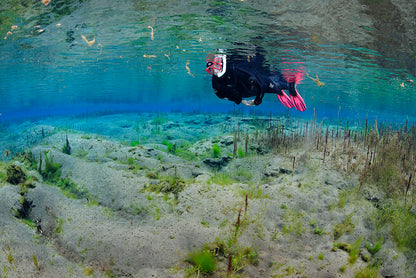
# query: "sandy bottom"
124,226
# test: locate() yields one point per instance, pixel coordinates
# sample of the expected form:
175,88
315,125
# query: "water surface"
364,52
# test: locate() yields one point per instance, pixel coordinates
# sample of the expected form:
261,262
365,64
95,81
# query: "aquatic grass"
186,154
29,223
317,231
221,179
367,272
401,224
243,256
242,174
8,253
135,143
239,256
59,228
374,248
313,222
389,161
159,119
342,269
216,151
51,173
168,184
293,220
71,190
35,262
183,151
347,226
171,147
2,176
152,175
253,191
355,251
241,153
80,153
52,170
28,159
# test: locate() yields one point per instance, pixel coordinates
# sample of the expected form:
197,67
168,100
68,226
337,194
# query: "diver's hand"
248,102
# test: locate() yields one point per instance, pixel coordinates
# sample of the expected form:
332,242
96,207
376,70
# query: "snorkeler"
235,78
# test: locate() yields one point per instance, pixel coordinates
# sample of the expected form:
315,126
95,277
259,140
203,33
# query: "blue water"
364,52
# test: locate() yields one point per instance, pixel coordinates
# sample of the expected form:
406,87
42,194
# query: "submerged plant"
58,228
317,231
374,248
355,251
15,174
367,272
35,262
241,153
203,260
293,223
171,147
174,185
135,143
66,149
52,170
216,151
401,224
221,179
71,189
9,256
88,271
345,227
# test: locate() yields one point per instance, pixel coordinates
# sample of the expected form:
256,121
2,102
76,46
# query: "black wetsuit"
246,78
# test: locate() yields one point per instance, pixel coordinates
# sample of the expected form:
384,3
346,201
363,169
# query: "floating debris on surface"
87,41
318,82
188,69
152,37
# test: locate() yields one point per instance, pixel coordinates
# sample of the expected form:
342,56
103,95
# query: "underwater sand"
125,228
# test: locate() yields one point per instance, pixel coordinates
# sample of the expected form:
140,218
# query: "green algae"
203,260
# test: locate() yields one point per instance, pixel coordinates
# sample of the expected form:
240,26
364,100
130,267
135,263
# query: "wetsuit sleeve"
259,96
256,90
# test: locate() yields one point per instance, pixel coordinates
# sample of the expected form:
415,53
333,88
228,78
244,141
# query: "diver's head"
216,64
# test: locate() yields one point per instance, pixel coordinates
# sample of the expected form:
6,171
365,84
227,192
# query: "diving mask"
216,64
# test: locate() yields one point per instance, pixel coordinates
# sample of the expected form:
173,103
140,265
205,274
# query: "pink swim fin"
297,100
284,99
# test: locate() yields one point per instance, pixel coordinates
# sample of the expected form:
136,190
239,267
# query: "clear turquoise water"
364,51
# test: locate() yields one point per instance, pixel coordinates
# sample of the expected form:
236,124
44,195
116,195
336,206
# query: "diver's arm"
259,98
258,92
